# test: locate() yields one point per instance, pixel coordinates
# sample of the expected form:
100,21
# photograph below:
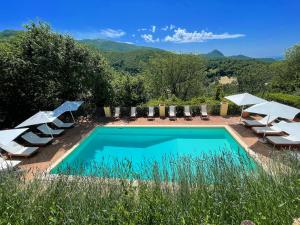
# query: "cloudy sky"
258,28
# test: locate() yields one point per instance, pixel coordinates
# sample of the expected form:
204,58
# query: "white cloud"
165,28
181,35
142,29
168,27
111,33
149,38
172,27
153,28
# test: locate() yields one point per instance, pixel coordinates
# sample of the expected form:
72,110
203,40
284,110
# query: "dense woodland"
39,69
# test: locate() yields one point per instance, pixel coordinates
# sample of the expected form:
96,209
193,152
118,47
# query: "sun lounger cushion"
8,164
13,148
266,130
172,111
117,112
133,112
187,112
48,130
151,112
35,139
57,122
259,123
282,140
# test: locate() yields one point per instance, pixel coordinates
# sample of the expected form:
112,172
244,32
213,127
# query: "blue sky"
258,28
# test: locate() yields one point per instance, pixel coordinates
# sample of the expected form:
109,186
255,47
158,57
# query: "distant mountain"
113,46
215,54
121,47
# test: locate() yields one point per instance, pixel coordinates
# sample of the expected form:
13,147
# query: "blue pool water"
139,148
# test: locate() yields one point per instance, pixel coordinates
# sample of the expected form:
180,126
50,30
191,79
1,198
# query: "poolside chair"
204,114
8,164
133,113
60,124
172,112
259,123
117,113
34,139
187,112
266,130
283,140
45,129
15,149
150,113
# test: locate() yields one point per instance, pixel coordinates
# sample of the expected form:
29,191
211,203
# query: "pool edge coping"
256,156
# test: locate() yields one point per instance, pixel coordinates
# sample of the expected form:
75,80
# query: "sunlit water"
138,148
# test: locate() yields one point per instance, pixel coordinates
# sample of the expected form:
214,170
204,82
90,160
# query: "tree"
128,90
287,76
40,69
181,76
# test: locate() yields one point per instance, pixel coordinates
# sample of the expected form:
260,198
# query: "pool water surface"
141,147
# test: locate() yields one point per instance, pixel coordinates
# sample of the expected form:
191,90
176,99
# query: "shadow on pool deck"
49,154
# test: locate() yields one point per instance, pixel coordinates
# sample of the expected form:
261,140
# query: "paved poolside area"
48,155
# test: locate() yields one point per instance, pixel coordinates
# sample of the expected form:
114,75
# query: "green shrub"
234,195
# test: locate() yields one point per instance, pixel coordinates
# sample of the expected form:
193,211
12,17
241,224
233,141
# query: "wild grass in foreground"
207,193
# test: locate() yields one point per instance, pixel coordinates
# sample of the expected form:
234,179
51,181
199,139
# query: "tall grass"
198,192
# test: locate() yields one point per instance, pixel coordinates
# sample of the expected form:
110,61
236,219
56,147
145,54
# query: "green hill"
113,46
120,47
7,34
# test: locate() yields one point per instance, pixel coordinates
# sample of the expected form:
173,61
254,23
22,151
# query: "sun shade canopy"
6,136
274,109
245,99
38,118
67,107
292,129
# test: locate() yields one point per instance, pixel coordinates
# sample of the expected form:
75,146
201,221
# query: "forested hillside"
40,68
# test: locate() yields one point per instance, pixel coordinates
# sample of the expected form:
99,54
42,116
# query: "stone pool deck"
48,155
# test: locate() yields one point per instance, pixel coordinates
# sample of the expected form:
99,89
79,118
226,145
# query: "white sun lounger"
60,124
187,112
32,138
204,114
45,129
117,113
172,112
15,149
8,164
132,112
260,123
266,130
150,112
283,140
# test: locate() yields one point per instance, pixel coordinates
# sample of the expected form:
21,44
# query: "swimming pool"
137,149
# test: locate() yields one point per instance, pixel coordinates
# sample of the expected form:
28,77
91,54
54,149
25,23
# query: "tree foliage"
181,76
39,69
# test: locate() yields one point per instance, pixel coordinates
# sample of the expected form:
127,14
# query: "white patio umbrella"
290,128
39,118
274,109
6,136
67,106
244,99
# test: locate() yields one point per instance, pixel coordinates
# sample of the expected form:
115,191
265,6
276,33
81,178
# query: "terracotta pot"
245,114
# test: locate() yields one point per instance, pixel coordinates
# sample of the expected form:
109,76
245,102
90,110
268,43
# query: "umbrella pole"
266,126
72,116
49,130
242,113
